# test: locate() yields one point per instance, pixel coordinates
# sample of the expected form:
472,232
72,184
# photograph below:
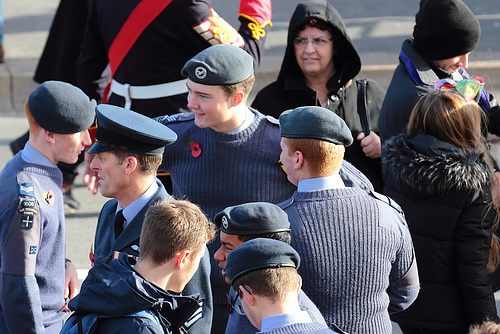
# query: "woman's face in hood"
315,59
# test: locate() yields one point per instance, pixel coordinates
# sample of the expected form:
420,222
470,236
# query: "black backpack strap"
364,116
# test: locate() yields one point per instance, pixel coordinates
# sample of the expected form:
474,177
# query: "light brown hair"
447,116
244,86
148,164
272,283
171,226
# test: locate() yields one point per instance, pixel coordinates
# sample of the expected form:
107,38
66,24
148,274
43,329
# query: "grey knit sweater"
232,169
30,302
352,248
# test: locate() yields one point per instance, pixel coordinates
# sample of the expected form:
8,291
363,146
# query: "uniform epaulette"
180,117
273,120
386,199
285,204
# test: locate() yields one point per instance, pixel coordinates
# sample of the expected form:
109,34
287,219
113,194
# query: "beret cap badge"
225,223
200,72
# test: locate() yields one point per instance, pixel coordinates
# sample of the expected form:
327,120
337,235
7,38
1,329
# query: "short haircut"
35,128
323,158
171,226
148,164
272,283
244,86
281,236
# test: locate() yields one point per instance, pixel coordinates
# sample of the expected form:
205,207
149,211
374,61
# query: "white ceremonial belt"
147,92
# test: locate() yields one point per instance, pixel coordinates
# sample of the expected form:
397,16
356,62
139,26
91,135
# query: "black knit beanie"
445,29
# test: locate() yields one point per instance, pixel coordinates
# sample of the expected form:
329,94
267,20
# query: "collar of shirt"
282,320
133,209
29,154
321,183
249,119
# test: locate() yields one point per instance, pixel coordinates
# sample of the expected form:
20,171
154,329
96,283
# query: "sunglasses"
235,303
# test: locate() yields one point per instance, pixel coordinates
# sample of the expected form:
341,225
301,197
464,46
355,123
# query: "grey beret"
260,253
252,218
315,123
220,64
61,108
127,130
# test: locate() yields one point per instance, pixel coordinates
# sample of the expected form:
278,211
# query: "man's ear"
299,160
182,258
238,98
250,298
299,283
131,164
49,136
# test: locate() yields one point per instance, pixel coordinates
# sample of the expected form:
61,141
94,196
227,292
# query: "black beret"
62,108
445,29
129,131
260,253
220,64
315,123
252,218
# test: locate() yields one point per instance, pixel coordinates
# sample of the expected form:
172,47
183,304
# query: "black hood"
425,166
347,61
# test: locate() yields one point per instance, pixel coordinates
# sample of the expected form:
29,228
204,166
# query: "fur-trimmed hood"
425,166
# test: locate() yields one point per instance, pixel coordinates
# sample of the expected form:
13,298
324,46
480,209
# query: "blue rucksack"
88,323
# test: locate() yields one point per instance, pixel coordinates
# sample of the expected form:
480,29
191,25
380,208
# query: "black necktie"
119,220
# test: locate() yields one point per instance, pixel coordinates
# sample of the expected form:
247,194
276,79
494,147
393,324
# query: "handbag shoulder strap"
364,117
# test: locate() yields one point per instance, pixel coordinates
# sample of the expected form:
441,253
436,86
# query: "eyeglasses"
235,303
318,42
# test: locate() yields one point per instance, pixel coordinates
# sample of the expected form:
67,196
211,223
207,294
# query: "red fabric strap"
142,15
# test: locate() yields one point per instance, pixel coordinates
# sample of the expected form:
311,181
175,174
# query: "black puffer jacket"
290,89
444,193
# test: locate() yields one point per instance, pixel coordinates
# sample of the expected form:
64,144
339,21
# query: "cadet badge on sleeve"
28,211
215,30
27,189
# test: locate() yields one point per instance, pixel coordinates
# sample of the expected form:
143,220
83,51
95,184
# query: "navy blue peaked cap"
61,108
127,130
315,123
260,253
252,218
220,64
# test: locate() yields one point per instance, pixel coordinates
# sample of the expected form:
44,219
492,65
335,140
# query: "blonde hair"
487,327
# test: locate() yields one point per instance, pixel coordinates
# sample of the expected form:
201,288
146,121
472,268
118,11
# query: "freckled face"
69,146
